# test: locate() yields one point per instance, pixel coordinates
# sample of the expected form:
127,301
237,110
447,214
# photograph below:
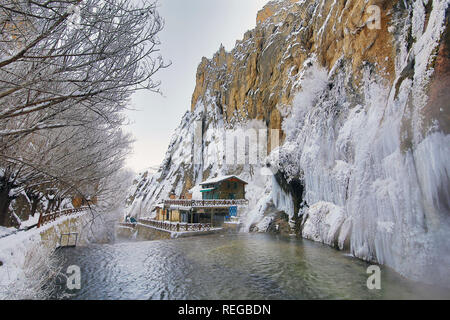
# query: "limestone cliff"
363,109
261,73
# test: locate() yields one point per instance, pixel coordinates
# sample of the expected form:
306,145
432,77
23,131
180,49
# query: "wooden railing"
49,217
177,226
206,203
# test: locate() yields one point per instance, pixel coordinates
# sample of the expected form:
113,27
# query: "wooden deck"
218,203
176,226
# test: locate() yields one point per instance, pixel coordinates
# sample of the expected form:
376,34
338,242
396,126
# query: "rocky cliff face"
364,119
261,73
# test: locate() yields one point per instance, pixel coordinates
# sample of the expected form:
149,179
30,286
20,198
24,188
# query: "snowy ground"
18,253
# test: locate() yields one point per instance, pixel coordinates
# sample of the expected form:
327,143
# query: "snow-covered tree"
67,70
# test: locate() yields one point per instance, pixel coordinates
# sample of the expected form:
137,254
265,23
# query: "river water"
242,266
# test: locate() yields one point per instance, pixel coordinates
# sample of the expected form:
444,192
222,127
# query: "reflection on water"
244,266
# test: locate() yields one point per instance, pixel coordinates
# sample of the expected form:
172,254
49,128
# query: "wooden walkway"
219,203
176,226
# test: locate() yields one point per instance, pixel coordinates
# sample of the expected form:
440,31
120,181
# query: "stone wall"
231,227
150,233
125,232
50,236
144,232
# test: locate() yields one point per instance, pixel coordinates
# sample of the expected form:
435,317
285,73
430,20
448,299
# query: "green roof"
220,179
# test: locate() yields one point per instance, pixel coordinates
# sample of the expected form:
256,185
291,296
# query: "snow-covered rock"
323,223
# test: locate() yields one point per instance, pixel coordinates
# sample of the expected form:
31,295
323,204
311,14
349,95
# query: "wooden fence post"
39,221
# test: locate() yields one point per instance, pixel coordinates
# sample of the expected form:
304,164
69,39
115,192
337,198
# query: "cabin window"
235,185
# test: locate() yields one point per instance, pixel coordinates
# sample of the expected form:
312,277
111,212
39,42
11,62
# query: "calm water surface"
243,266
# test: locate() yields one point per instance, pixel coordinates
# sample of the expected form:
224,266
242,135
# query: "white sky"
193,29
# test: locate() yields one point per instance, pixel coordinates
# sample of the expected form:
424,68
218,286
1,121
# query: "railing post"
40,220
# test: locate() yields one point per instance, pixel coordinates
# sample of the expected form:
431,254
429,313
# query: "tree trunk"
5,201
34,204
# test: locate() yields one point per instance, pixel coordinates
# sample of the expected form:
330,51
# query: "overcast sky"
193,29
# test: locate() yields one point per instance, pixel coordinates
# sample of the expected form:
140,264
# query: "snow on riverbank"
24,258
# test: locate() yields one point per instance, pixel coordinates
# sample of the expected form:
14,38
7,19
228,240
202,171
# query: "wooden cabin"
229,191
166,214
225,187
159,212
